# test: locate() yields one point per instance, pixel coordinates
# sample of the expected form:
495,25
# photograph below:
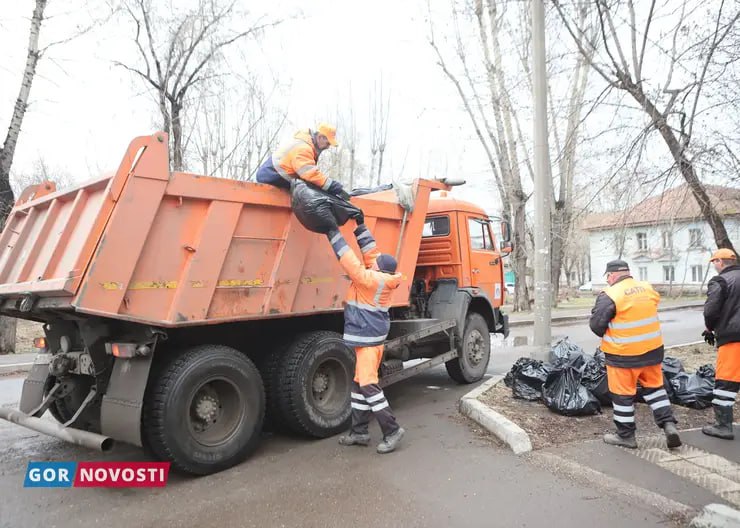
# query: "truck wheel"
204,410
314,384
269,367
474,352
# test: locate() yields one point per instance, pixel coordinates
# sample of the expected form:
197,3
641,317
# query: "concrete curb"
13,368
716,516
503,428
584,316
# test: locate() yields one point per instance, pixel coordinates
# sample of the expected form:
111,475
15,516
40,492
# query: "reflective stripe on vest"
635,329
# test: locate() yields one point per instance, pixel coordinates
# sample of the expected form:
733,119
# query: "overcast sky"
84,110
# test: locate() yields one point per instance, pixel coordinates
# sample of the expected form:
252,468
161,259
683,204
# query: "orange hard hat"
724,254
330,131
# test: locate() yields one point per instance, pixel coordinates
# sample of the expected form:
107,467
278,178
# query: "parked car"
588,286
509,288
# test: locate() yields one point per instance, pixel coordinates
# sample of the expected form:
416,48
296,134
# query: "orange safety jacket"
366,318
296,158
633,337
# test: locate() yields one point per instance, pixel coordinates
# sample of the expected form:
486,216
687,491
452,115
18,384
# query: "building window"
695,238
642,241
669,273
667,240
696,274
643,274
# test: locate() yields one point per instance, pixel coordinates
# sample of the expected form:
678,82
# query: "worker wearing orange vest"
722,321
366,325
299,157
625,316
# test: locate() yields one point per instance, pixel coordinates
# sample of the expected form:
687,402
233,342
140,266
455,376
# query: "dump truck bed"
178,249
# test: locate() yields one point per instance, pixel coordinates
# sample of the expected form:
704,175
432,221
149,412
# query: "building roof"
677,204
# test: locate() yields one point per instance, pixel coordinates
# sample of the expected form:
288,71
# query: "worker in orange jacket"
366,325
625,316
722,321
298,158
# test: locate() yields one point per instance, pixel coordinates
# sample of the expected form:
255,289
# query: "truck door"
484,259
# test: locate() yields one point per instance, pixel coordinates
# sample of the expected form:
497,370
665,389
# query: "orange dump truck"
182,311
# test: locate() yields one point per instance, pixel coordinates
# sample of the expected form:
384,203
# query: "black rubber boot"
671,435
723,428
614,439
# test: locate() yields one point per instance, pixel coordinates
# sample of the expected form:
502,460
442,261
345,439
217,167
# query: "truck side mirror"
506,248
505,232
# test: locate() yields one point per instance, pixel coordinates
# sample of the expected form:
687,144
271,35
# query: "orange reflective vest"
296,158
366,317
635,329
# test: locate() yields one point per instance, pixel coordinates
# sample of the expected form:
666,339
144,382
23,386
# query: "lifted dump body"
184,313
180,249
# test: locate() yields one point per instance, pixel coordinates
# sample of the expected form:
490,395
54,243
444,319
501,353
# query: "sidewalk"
565,315
16,362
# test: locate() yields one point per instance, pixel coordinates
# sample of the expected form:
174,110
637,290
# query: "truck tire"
314,384
204,410
474,351
269,367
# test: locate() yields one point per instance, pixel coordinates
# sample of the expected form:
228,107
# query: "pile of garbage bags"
574,383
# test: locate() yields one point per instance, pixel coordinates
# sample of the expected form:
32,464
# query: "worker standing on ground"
722,321
625,316
298,158
366,325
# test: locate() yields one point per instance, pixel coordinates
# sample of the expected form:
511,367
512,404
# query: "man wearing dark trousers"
722,322
626,318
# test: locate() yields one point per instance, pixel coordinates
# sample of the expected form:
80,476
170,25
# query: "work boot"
616,440
351,439
671,435
723,428
391,441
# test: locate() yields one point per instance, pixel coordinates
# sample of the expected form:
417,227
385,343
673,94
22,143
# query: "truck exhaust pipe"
68,434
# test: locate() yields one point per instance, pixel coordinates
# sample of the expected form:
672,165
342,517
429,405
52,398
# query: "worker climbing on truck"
298,158
366,325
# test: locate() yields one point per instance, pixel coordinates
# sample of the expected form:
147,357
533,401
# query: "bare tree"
235,128
7,198
177,54
672,111
380,103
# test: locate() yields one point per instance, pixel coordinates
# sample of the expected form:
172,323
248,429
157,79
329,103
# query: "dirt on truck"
183,313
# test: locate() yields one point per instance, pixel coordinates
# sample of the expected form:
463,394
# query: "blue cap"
387,263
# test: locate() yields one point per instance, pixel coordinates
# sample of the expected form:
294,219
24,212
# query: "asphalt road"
446,474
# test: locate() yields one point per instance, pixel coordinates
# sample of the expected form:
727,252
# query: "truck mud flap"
120,416
33,386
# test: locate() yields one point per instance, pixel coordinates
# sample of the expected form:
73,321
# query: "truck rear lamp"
39,342
127,350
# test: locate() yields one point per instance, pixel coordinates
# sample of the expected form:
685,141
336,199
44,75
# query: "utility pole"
542,187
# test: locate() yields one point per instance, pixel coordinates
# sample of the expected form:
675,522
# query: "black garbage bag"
564,350
672,366
369,190
318,210
526,378
694,390
595,380
565,394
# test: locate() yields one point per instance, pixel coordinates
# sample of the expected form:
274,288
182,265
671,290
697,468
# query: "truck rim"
216,412
329,386
475,347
